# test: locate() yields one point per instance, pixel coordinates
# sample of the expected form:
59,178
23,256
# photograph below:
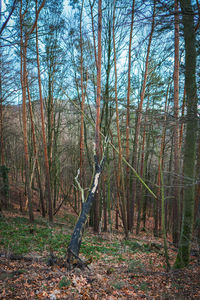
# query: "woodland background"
51,54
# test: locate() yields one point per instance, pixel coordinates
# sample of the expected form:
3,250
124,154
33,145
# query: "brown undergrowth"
119,269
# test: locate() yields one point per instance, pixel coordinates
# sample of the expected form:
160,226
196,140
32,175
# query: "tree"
75,243
48,182
120,177
139,117
3,26
128,116
183,256
176,210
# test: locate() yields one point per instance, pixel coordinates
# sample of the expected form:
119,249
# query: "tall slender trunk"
158,217
140,195
197,194
120,178
35,150
97,127
176,204
183,256
128,117
107,208
182,123
139,117
48,181
2,158
23,77
50,123
82,171
23,54
93,31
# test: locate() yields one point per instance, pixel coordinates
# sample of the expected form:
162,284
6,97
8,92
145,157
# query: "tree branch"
8,18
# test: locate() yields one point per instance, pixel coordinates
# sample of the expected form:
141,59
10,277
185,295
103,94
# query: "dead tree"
75,243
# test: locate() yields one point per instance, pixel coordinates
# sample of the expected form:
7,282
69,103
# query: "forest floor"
118,269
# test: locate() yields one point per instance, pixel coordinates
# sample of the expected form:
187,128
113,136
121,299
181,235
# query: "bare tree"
75,243
48,182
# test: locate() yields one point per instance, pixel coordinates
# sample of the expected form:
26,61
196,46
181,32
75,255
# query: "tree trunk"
160,168
128,118
97,127
138,120
75,243
48,181
141,193
176,200
183,256
120,178
2,159
76,239
23,54
197,193
82,106
35,152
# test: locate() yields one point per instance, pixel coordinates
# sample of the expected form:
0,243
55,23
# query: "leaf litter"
133,269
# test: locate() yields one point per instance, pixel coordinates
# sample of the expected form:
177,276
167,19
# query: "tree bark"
76,239
138,119
128,117
23,54
97,126
23,75
176,200
160,168
120,178
35,150
48,181
82,105
183,256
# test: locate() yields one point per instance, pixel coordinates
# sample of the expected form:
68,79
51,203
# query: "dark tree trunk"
183,256
176,204
75,243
